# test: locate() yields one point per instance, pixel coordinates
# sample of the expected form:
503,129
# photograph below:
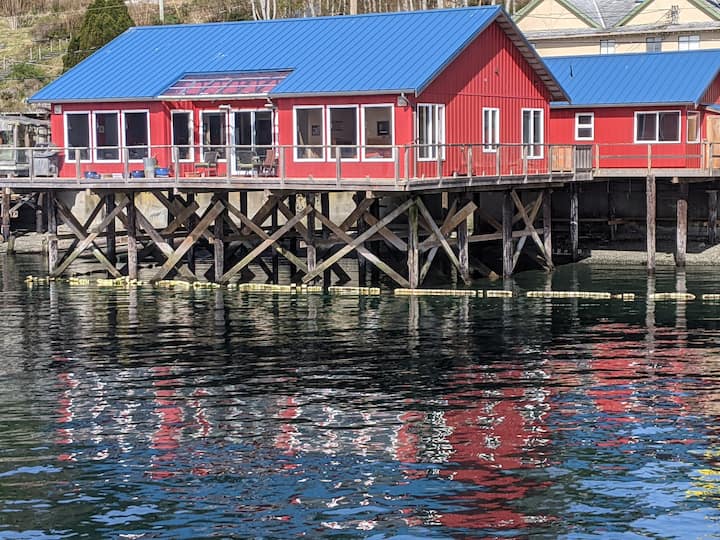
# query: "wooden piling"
413,257
463,245
132,254
292,206
52,228
311,251
376,247
219,239
712,216
325,211
274,255
191,223
6,215
507,237
574,222
110,232
547,224
650,220
39,213
682,226
359,197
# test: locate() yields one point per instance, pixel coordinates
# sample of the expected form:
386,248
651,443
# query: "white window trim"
591,125
191,128
440,120
67,138
363,140
296,144
124,142
541,144
688,40
202,125
328,128
95,146
608,50
657,127
490,147
687,124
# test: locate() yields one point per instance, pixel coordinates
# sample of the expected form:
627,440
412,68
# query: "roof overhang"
624,105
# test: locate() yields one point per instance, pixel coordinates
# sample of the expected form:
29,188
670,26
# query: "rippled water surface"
172,414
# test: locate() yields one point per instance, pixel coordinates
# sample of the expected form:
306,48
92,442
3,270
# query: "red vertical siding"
614,140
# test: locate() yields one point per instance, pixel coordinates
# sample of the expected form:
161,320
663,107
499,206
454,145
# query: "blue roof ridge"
320,18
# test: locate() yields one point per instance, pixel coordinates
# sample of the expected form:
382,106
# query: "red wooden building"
412,95
641,111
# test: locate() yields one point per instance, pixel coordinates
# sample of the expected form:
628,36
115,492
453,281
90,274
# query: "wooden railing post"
282,162
126,163
550,161
78,166
469,161
338,165
396,160
649,157
176,161
406,149
597,156
498,160
438,149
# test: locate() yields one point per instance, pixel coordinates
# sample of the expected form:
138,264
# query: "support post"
132,255
507,240
712,216
52,232
574,222
110,239
547,224
191,223
413,258
651,203
292,205
359,197
6,215
39,213
311,249
463,245
682,226
376,246
325,211
219,239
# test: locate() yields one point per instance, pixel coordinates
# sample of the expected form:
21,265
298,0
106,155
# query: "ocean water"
147,413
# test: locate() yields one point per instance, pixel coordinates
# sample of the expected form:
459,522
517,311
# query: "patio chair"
208,164
268,166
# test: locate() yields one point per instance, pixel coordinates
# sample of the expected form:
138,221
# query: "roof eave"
623,105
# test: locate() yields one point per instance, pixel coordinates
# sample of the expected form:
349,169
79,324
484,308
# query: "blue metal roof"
326,55
643,78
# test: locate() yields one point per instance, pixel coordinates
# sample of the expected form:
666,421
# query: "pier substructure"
210,226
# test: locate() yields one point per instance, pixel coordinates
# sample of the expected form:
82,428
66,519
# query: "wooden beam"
371,257
547,224
389,218
165,248
413,255
110,233
360,201
85,227
310,249
451,223
132,255
650,220
210,215
682,226
574,222
507,215
52,237
6,214
712,216
266,243
528,221
437,233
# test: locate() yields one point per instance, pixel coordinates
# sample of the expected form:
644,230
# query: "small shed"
645,110
369,93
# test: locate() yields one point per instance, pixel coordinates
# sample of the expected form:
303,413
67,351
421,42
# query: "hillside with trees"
39,39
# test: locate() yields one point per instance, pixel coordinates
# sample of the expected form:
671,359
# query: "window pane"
309,133
137,139
693,127
584,126
343,131
107,136
424,132
262,132
181,133
526,128
214,136
78,131
491,128
646,127
653,44
378,132
669,126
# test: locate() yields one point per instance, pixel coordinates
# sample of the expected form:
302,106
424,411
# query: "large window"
378,130
309,133
137,134
653,44
182,136
77,136
607,46
430,131
491,129
532,132
657,126
253,136
107,136
693,126
584,126
688,43
343,129
213,126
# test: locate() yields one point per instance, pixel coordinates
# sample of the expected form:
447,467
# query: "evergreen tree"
103,21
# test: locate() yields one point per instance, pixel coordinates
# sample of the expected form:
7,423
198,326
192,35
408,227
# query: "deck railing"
394,163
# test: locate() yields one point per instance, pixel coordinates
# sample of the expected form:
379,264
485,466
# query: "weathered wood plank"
413,254
437,233
165,248
650,221
507,242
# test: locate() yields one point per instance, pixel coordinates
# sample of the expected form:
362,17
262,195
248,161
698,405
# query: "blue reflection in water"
161,414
